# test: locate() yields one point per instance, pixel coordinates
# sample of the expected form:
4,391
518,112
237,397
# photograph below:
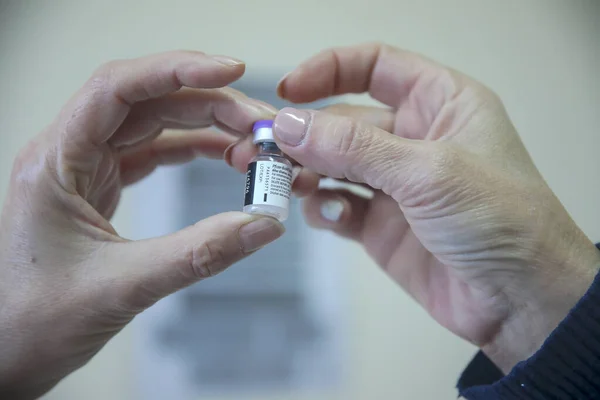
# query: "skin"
68,281
460,217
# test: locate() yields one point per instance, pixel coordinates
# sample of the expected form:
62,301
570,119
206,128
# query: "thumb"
345,148
154,268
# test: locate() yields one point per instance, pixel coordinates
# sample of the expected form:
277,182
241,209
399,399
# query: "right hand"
460,218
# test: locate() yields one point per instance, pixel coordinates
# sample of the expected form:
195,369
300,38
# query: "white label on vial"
268,182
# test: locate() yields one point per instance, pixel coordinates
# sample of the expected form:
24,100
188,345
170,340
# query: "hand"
68,281
460,216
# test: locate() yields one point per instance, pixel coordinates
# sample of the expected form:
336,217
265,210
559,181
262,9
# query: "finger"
341,147
174,147
359,189
191,108
388,74
148,270
337,210
98,109
383,118
375,222
241,152
304,181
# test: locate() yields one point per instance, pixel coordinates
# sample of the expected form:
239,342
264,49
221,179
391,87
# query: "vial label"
268,182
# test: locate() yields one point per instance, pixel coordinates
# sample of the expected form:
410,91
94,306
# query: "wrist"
544,300
27,368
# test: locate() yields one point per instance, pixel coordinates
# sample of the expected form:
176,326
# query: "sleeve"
567,366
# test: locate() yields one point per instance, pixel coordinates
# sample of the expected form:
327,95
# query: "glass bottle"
269,176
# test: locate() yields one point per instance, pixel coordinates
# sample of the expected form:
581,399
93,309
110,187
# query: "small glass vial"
269,176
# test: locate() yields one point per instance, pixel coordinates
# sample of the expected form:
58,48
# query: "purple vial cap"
263,123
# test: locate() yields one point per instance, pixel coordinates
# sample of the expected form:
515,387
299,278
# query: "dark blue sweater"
567,366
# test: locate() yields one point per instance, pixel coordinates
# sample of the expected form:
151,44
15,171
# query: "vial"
269,176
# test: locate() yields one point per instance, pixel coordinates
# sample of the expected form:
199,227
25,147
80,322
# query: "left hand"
68,281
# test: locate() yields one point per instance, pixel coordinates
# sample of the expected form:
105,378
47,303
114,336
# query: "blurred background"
310,318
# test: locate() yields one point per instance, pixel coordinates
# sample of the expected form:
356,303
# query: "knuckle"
481,96
206,260
191,53
353,150
377,46
382,47
30,165
476,92
349,138
441,163
101,80
484,92
104,78
437,166
23,158
492,99
105,72
349,146
441,158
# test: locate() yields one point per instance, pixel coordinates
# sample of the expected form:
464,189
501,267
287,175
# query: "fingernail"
227,153
295,172
332,210
229,61
290,126
280,85
259,233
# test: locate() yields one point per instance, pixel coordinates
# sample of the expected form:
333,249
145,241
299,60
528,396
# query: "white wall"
542,56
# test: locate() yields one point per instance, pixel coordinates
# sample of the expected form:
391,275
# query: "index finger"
388,74
96,111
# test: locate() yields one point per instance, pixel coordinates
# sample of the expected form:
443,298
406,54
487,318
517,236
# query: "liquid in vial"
269,176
